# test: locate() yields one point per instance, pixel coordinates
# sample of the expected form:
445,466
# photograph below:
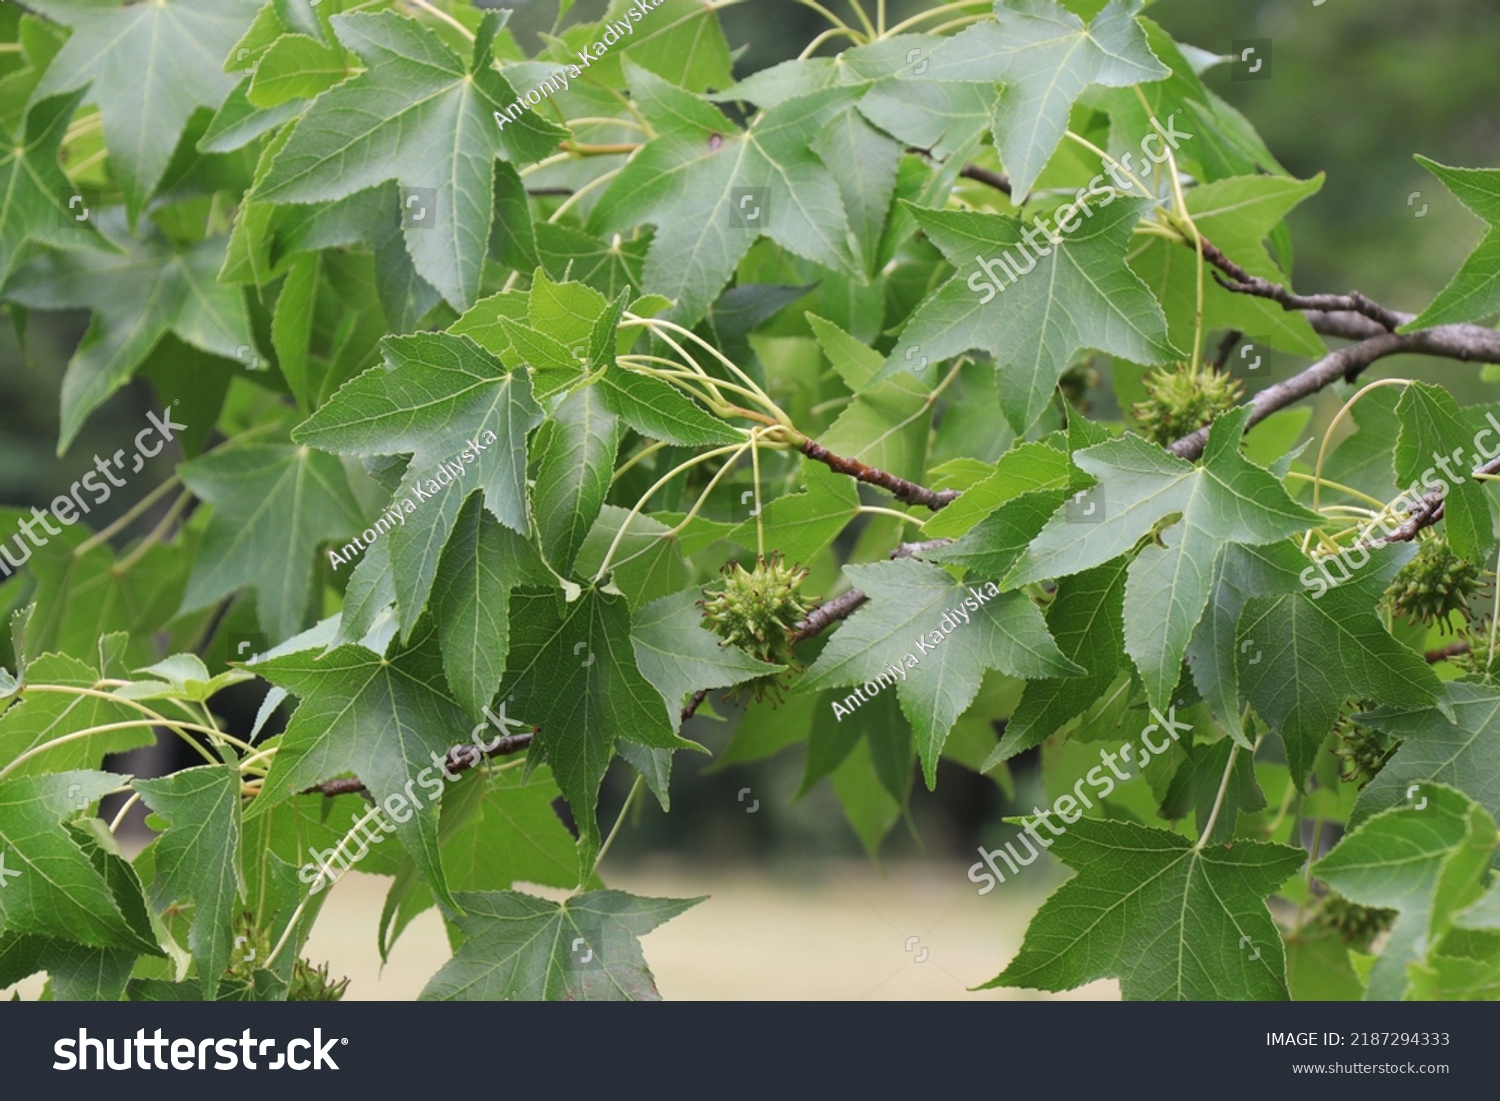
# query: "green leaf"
1462,752
148,67
887,424
1431,427
481,564
137,298
42,717
1227,499
388,720
1313,654
58,891
1179,923
1086,618
712,191
273,506
800,525
1474,292
1426,859
1078,295
574,465
679,656
424,117
496,831
198,858
907,637
35,189
648,563
572,673
439,398
585,949
295,67
1045,56
660,411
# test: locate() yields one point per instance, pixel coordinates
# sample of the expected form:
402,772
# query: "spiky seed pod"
1182,399
1434,584
1354,924
1477,660
1364,752
757,609
310,984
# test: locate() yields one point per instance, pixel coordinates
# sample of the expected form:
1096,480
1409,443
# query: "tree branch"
906,492
830,612
985,176
1241,281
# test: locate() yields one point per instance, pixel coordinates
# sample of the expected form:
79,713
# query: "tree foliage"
524,400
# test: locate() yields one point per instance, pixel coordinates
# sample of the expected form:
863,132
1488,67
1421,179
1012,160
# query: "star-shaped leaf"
33,190
1226,499
1078,295
713,190
425,117
273,506
572,673
198,858
932,639
1170,921
388,720
1313,654
137,298
148,67
519,947
438,399
1046,56
1474,292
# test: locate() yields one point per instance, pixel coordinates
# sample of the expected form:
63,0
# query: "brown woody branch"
842,607
906,492
1443,653
1241,281
461,758
985,176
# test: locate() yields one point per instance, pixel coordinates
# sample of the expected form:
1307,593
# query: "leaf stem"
155,536
1338,419
124,521
941,10
619,821
738,449
444,16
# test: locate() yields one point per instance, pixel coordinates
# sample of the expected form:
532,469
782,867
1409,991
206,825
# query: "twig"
460,758
842,607
1443,653
983,175
906,492
1226,348
1241,281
